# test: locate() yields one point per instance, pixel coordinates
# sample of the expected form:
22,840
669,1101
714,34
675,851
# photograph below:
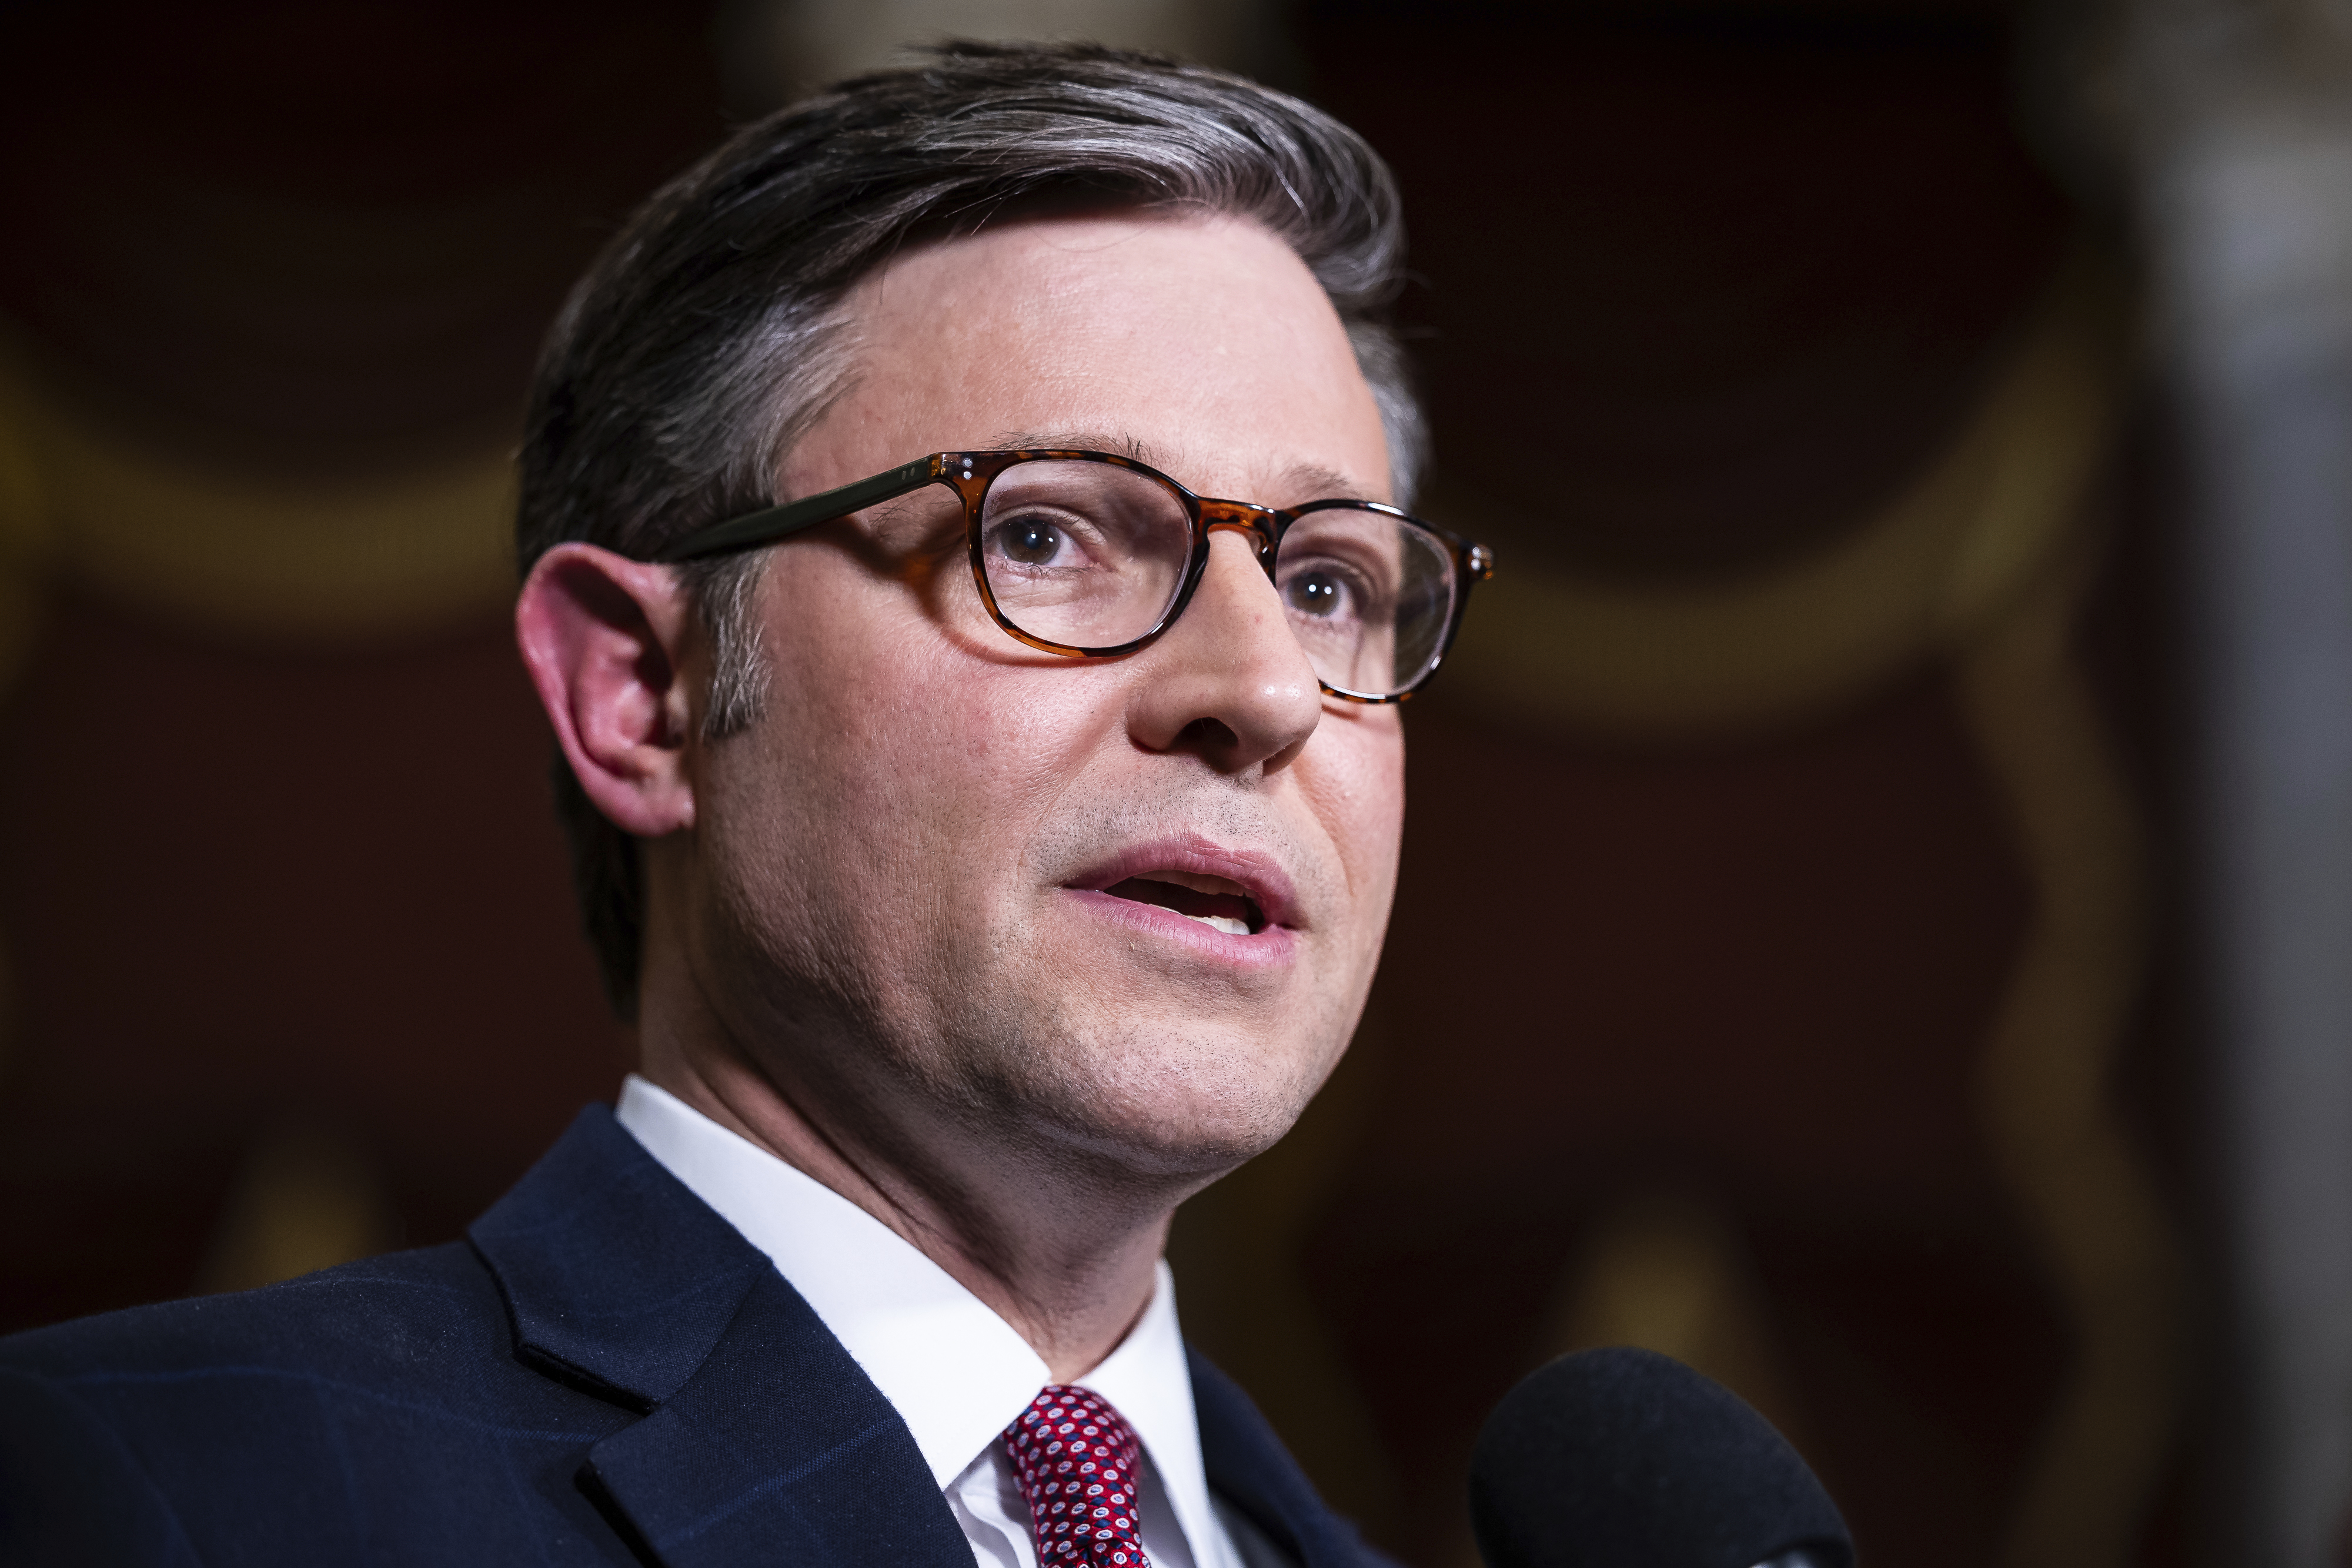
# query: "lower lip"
1271,948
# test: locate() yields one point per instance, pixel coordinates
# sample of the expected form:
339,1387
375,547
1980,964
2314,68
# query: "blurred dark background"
1795,969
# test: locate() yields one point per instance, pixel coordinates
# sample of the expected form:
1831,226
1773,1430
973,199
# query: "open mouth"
1216,902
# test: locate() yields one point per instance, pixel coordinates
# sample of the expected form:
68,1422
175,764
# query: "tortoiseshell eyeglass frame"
969,475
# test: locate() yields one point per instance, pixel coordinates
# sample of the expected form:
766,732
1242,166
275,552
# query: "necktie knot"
1076,1459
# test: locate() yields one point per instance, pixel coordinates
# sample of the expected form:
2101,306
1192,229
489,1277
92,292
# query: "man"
992,843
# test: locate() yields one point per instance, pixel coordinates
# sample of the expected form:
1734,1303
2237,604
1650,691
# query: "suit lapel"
1249,1468
762,1439
778,1449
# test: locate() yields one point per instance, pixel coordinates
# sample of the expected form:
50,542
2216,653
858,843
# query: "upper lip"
1257,874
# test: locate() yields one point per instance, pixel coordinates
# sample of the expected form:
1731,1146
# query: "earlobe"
604,640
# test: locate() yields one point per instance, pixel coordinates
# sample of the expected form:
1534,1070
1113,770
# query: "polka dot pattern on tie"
1075,1458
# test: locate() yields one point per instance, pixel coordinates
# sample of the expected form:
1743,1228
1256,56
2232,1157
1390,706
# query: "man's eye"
1317,593
1030,541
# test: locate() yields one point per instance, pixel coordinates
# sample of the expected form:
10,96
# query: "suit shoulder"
412,1341
404,1307
374,1410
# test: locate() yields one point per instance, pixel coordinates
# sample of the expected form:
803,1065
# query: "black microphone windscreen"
1626,1458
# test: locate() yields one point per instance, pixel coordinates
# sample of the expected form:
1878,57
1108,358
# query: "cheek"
1356,786
814,820
922,763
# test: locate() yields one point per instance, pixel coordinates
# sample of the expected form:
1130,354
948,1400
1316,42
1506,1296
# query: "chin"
1183,1103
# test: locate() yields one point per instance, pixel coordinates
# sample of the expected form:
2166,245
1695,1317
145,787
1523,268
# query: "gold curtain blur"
256,559
253,556
1981,566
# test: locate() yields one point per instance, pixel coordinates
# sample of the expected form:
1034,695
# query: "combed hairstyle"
707,337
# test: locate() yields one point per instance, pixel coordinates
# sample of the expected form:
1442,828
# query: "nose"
1229,681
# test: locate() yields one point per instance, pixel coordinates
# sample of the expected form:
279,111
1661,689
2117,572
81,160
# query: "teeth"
1224,923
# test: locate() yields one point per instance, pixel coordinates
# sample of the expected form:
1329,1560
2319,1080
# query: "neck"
1071,1275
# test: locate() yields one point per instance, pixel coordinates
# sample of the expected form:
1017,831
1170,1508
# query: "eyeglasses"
1088,555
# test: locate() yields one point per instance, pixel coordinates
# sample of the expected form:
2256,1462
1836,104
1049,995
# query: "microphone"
1626,1458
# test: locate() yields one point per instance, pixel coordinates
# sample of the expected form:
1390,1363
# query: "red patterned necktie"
1076,1457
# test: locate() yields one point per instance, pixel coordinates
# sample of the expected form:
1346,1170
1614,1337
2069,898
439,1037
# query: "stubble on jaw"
1110,1080
1100,1124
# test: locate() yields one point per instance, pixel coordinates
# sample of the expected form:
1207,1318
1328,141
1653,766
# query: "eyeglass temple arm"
782,522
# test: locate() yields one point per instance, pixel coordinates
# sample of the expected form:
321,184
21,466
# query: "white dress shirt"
956,1372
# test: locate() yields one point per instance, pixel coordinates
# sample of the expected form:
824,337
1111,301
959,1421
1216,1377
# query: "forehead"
1203,345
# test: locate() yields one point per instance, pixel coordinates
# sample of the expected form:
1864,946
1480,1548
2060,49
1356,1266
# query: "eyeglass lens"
1092,554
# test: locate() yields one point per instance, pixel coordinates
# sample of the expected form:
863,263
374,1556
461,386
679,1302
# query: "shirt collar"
1147,1380
957,1373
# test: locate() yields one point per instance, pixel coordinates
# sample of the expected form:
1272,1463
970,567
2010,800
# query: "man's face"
944,876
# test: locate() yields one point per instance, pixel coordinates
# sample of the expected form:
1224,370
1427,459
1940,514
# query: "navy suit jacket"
605,1372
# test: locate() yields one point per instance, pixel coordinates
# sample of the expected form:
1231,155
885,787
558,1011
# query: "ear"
604,640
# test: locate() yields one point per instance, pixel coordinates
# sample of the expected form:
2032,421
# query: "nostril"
1209,733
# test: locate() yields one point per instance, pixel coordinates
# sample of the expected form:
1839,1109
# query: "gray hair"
708,339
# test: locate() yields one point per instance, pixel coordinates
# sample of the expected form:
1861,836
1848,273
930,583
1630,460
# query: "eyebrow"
1310,481
1323,484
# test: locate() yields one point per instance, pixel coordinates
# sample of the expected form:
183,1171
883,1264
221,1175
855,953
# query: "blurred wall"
1780,975
291,954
